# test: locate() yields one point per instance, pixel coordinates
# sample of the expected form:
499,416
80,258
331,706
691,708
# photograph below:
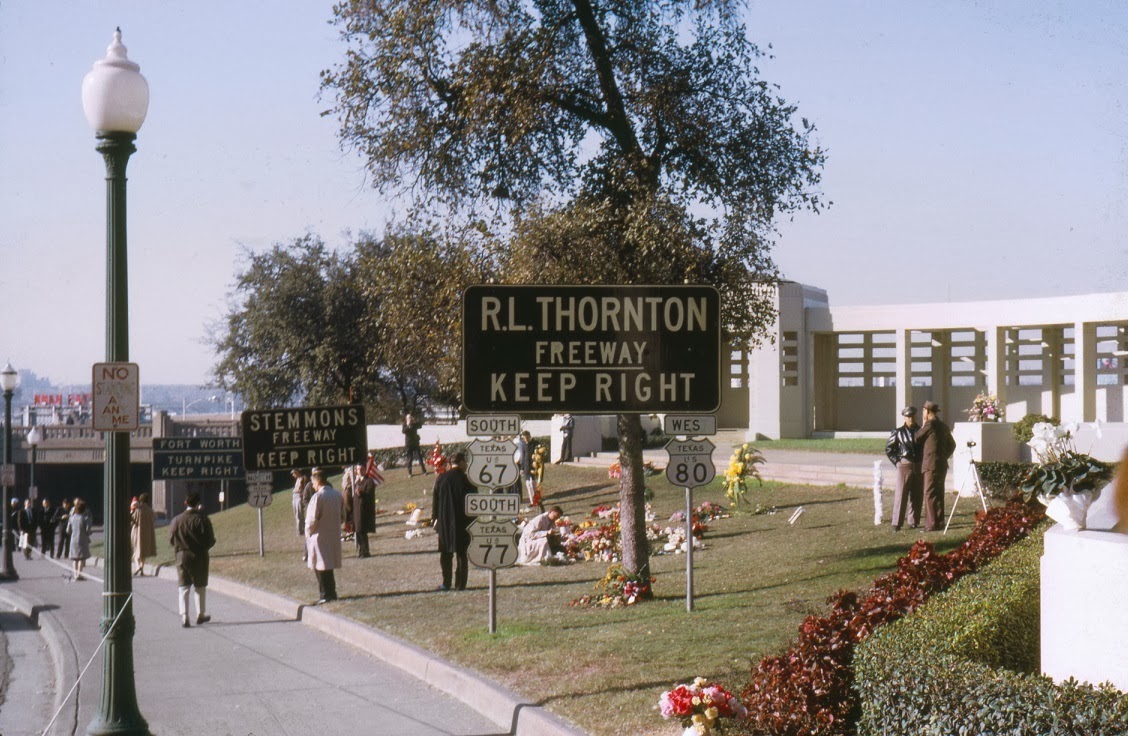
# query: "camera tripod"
977,484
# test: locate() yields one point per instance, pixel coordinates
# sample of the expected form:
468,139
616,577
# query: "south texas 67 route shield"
492,464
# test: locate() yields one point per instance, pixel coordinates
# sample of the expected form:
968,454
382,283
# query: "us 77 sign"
493,543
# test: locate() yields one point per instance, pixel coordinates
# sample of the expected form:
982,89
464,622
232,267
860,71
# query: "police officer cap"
908,411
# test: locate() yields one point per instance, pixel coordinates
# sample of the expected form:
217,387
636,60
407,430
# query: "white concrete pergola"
851,369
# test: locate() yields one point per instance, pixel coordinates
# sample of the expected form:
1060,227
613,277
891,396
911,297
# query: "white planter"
1070,509
1084,629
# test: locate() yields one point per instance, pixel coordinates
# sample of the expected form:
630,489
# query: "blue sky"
977,150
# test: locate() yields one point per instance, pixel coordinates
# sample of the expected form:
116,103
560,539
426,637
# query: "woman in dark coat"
448,512
363,509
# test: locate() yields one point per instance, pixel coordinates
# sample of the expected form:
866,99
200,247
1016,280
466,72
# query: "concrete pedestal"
1085,606
993,441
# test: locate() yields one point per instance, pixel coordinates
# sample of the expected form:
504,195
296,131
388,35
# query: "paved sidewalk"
249,672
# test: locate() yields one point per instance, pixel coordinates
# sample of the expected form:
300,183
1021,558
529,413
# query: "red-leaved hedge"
808,691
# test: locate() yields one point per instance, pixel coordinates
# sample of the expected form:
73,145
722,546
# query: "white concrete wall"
1084,626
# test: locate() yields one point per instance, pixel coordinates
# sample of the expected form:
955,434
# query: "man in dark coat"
47,526
191,536
411,444
28,526
902,451
363,509
448,514
62,516
567,429
936,445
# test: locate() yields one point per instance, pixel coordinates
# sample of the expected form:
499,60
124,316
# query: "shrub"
1023,429
967,664
1002,479
808,690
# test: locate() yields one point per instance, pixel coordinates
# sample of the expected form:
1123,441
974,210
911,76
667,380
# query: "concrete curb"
64,658
504,707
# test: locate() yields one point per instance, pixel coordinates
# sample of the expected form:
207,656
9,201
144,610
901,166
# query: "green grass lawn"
857,445
602,669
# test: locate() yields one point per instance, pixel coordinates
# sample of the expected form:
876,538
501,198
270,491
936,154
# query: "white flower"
1044,431
1067,430
1040,446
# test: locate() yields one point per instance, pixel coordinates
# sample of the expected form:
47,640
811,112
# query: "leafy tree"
412,284
623,141
292,332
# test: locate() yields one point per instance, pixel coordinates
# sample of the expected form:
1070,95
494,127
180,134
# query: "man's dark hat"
934,408
908,411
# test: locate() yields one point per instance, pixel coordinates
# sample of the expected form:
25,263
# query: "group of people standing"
69,522
921,455
323,515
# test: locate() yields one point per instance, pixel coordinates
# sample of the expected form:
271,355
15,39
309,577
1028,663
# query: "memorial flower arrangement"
1064,480
437,460
707,511
539,454
619,588
649,470
702,708
985,408
675,540
592,540
741,472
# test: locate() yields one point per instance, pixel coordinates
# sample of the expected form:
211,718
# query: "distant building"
850,369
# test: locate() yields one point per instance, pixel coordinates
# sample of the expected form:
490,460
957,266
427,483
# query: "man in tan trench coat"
324,516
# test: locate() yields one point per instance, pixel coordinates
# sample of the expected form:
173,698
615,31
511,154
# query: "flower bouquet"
741,472
649,470
986,408
1067,482
703,709
437,460
620,588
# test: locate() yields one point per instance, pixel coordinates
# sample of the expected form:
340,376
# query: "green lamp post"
9,381
115,98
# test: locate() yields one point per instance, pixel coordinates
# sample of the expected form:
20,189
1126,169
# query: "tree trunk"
632,501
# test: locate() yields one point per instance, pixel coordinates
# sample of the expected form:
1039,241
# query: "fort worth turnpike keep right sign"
591,349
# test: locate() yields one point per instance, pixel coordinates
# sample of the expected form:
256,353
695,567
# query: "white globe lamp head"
115,97
9,378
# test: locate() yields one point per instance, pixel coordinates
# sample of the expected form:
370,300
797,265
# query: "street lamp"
9,380
185,407
115,98
33,438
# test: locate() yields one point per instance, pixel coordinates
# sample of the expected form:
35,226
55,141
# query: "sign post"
493,465
493,544
259,496
690,465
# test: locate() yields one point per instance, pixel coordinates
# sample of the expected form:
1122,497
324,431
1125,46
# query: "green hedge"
1002,479
967,663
